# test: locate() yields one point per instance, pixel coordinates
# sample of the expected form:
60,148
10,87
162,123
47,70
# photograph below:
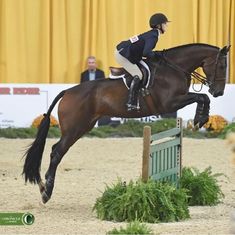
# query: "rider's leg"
133,94
134,70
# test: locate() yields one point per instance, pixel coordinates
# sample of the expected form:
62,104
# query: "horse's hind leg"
58,151
56,155
40,183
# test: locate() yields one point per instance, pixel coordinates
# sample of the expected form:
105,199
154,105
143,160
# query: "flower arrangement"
53,122
216,123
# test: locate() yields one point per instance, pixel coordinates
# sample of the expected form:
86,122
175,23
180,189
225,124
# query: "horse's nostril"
218,93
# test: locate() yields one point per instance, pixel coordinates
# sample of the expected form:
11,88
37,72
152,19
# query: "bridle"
197,76
219,55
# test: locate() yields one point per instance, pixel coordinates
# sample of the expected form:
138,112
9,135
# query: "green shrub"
54,132
132,228
198,134
202,188
147,202
13,133
103,132
24,133
209,134
128,129
228,129
132,128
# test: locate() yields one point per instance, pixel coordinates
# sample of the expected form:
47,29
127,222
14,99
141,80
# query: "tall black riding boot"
133,93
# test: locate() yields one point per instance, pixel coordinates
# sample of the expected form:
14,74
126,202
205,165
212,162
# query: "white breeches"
133,69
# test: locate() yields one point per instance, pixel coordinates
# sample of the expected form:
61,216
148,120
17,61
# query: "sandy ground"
82,175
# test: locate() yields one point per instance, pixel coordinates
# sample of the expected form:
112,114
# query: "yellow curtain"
48,41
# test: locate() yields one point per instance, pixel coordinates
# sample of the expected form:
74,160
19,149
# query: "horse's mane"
179,49
185,46
191,45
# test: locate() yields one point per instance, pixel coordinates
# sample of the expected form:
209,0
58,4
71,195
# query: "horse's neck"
189,58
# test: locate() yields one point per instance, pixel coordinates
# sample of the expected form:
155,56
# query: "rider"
130,52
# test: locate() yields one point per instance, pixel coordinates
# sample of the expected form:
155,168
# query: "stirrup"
131,107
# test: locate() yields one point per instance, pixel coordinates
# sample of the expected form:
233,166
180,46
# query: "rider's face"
164,27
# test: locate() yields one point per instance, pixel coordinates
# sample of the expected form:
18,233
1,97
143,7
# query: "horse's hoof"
200,121
203,121
45,197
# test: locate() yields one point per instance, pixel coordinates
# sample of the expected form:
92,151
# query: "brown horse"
82,105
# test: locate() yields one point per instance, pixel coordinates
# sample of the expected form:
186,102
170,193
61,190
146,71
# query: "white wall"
223,105
19,110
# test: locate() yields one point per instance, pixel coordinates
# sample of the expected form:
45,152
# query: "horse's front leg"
202,111
203,106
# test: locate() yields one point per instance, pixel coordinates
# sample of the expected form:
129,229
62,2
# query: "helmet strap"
160,28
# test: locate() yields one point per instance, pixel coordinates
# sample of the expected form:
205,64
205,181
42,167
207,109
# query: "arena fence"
162,154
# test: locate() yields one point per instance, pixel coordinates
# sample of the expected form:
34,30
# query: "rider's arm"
151,39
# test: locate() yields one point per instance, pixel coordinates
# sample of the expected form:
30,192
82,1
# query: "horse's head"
215,68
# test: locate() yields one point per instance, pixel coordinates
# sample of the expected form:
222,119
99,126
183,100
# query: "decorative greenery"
228,129
197,134
12,133
216,127
128,129
132,228
132,128
147,202
203,188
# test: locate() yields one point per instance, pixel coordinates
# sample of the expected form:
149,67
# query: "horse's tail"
33,159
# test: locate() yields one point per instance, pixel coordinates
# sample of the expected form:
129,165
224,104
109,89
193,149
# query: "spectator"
92,73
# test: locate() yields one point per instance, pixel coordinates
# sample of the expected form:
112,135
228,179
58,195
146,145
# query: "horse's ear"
225,50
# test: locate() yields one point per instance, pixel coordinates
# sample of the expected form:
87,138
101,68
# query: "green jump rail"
162,154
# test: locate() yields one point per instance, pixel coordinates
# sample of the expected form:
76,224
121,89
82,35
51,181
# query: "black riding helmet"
157,19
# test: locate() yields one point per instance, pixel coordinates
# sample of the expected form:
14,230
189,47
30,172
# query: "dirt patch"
82,175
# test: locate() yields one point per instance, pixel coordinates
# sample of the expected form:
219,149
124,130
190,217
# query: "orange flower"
36,122
216,123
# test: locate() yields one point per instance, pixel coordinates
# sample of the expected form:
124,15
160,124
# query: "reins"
202,79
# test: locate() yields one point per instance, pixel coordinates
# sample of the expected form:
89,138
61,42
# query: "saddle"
121,73
146,82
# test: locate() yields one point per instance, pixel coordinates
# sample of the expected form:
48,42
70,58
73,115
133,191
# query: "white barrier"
21,103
